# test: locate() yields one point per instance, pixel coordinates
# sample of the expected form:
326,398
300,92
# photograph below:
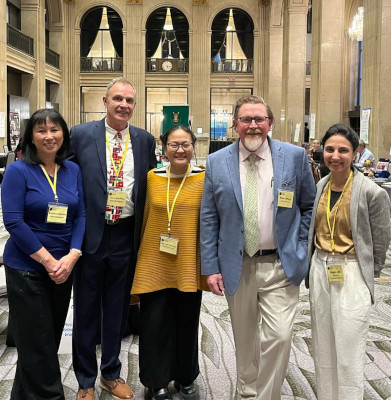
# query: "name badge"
116,198
169,244
285,198
57,213
335,273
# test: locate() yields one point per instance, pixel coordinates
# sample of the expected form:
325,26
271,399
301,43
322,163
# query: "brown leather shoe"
118,388
85,394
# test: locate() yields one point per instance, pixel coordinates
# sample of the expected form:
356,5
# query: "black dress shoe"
158,394
188,392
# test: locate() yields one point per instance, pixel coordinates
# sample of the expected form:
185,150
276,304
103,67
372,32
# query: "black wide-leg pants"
168,347
38,308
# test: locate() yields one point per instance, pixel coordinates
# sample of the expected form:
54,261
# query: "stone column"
274,97
376,82
134,58
3,73
293,68
33,25
326,63
70,66
199,68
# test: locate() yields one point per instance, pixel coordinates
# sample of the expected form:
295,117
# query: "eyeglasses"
175,146
248,120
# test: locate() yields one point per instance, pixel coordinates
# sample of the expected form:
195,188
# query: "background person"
363,154
43,210
348,240
114,158
169,282
254,243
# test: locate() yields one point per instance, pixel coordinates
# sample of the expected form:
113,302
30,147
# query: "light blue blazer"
222,227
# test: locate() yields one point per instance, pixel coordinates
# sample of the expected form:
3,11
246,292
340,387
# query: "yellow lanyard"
53,184
171,211
332,228
117,169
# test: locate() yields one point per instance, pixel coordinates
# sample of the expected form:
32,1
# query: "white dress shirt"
128,167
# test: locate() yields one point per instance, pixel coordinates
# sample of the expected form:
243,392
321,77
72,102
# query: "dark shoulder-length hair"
342,130
29,152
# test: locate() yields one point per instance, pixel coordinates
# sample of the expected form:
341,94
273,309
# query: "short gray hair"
116,80
361,143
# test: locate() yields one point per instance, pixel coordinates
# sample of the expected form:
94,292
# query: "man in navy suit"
114,158
257,256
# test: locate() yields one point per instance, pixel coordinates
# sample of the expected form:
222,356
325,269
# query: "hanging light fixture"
355,31
168,23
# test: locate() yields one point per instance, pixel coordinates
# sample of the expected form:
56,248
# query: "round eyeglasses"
175,146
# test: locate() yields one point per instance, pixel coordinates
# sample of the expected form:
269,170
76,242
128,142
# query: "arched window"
101,43
232,41
167,41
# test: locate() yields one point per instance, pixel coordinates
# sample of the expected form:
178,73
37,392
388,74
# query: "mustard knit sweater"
157,270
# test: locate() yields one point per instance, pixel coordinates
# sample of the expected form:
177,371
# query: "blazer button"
102,213
242,230
241,252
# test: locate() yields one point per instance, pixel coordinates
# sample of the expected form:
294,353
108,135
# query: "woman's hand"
64,267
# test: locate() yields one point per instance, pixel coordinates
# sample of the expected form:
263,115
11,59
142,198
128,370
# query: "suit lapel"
135,140
233,168
278,160
99,134
354,200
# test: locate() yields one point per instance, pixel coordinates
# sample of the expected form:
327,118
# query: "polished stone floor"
217,363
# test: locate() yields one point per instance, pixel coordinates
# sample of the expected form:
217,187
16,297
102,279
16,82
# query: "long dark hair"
29,151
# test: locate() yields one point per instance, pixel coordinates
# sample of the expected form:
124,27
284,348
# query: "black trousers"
38,308
101,296
168,346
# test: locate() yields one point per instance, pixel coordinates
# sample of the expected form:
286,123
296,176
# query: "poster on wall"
364,124
312,126
14,127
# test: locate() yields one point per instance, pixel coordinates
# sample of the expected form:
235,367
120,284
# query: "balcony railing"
16,39
232,66
52,58
167,65
104,64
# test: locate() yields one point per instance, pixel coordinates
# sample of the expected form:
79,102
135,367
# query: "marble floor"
217,362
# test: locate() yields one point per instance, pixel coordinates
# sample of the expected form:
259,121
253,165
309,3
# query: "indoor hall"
310,64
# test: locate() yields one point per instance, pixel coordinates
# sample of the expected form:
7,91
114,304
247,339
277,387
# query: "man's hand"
215,283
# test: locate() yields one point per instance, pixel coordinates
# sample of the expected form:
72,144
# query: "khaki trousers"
262,312
340,314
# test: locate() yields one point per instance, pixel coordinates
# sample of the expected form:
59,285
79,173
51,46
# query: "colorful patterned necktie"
114,212
251,227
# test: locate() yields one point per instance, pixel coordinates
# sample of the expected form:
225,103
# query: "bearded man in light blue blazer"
259,269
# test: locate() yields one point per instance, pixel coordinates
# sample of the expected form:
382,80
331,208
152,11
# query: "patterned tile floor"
217,362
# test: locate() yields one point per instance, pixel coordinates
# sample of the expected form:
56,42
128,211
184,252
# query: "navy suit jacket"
222,227
88,149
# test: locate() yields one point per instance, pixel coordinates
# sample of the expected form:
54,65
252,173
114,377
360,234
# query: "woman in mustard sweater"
167,278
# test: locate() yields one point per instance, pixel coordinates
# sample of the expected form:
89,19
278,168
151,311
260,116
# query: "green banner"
174,116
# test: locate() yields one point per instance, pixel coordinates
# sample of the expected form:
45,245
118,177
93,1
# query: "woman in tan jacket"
348,239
